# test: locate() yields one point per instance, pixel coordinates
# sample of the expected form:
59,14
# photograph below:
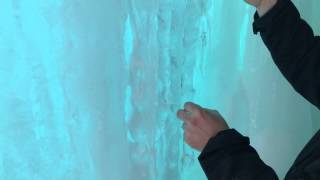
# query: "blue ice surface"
90,89
128,41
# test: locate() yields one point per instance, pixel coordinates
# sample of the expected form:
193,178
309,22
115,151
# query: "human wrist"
265,6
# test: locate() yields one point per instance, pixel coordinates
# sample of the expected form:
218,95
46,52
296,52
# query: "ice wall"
89,89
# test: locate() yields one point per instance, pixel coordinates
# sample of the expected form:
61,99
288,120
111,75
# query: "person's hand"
200,124
263,6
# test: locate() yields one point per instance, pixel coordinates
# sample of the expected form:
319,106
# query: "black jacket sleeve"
294,48
296,52
229,156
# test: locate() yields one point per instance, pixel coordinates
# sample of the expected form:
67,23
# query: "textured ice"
89,89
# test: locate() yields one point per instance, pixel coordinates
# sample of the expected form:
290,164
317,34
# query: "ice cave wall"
89,89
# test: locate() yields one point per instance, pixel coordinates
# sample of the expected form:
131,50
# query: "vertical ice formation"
89,89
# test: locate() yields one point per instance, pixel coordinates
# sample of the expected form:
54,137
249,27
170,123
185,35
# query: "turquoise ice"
89,89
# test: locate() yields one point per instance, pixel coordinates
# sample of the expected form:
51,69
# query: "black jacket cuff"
225,141
261,24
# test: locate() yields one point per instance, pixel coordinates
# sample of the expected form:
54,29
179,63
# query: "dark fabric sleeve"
294,48
229,156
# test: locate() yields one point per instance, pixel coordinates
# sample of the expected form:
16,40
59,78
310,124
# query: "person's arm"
293,46
229,156
225,153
